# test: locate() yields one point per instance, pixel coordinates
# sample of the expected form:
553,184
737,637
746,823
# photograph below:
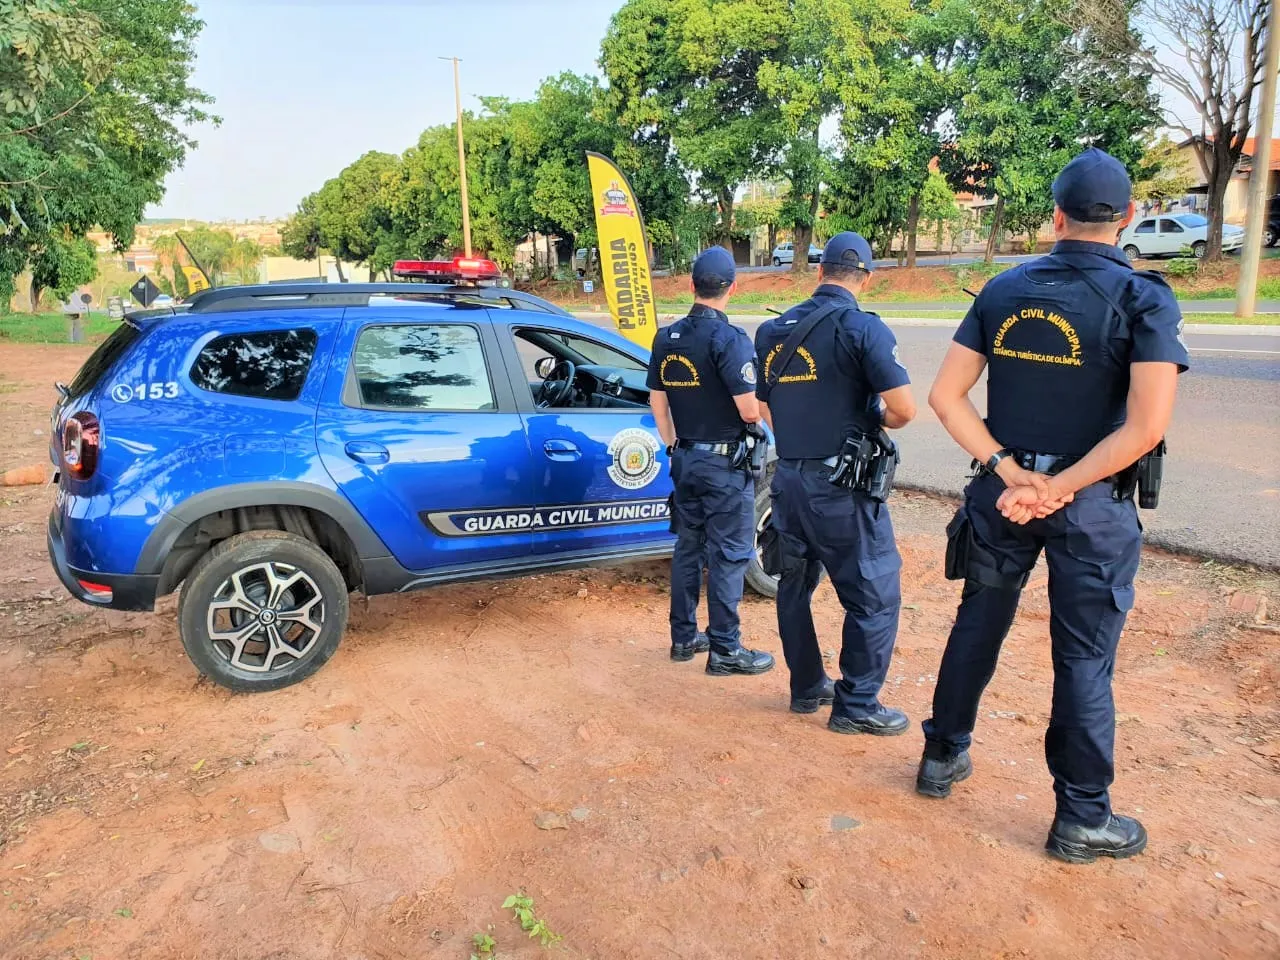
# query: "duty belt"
724,449
1046,463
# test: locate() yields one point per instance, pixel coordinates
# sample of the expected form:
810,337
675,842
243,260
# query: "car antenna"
969,292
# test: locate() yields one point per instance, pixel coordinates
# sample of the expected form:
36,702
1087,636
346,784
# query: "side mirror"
544,366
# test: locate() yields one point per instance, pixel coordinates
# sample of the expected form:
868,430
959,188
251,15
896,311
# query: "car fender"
368,544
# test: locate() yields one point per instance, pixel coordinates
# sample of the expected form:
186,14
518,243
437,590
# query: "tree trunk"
997,221
546,242
804,234
725,203
773,240
37,292
1219,178
337,261
913,227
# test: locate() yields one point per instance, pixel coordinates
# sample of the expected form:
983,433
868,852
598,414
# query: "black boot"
1119,837
935,777
685,651
885,722
824,697
741,660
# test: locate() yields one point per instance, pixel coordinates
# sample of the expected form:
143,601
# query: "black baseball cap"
848,249
713,269
1093,188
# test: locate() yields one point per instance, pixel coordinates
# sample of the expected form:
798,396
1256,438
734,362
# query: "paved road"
1221,495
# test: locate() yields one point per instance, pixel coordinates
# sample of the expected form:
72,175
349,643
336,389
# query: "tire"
245,569
757,579
1198,248
1132,252
777,261
1269,236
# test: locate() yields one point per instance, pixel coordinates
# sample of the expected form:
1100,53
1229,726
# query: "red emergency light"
457,270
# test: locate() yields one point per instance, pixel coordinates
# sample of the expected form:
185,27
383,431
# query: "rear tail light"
81,437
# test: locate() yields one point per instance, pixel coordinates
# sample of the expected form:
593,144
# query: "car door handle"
364,451
561,450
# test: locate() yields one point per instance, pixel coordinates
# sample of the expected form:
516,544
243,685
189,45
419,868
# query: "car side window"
422,367
270,364
1171,226
1146,226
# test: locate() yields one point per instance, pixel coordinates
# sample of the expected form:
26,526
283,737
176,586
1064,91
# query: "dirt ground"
387,807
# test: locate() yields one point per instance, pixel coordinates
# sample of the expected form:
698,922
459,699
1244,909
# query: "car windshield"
1192,220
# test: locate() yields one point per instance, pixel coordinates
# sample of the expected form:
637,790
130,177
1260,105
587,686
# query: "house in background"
1236,201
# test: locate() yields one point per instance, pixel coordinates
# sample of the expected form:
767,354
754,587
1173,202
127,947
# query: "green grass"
50,327
1268,289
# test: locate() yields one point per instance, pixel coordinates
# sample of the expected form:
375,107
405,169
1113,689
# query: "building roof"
1251,144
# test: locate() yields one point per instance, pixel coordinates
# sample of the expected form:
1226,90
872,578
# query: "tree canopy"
95,104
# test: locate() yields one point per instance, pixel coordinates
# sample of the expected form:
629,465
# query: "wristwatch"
994,460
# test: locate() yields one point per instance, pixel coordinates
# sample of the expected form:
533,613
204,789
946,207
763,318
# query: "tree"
689,70
1164,172
96,100
351,212
1036,90
61,264
763,210
938,209
300,236
1210,52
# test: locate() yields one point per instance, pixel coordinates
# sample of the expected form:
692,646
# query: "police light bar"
455,270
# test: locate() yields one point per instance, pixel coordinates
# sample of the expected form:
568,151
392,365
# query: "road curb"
1149,538
1225,329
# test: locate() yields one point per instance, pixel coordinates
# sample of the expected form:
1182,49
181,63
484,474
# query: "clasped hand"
1029,496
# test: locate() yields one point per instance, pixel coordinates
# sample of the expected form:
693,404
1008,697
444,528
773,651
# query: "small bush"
1183,267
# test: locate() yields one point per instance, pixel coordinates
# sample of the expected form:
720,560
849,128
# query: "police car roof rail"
299,296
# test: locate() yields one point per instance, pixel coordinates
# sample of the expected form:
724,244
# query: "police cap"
848,249
713,270
1093,188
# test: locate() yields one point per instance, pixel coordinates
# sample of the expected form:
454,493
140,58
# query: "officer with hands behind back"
702,381
825,367
1082,357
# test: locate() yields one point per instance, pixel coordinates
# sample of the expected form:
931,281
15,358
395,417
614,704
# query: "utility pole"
462,159
1260,180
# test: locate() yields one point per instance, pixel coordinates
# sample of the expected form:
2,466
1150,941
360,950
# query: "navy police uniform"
1059,335
701,363
828,391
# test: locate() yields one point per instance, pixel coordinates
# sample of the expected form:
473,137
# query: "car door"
1173,236
600,474
418,426
1146,239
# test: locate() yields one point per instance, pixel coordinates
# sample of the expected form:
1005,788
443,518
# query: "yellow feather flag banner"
196,280
624,252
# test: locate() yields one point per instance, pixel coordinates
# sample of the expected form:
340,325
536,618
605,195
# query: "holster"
1150,476
771,551
969,560
672,525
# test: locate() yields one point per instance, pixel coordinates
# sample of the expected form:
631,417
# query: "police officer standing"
702,380
1082,357
825,367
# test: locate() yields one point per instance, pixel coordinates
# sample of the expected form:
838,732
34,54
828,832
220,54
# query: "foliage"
1182,267
483,944
61,264
522,909
96,103
1035,89
1164,172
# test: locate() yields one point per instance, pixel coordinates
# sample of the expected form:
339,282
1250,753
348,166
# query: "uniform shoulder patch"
749,372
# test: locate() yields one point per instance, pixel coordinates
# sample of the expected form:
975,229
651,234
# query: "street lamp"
462,159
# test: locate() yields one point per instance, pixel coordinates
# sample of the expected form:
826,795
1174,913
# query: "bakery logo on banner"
635,458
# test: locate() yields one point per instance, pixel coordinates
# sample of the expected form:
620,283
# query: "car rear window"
270,365
104,358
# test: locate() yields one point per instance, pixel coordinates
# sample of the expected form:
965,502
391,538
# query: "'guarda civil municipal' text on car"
271,449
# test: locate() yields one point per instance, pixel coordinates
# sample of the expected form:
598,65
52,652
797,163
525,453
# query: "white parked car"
785,253
1168,234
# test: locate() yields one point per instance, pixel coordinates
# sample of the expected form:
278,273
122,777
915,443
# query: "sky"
304,87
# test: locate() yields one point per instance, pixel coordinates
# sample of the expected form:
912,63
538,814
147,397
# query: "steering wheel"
557,388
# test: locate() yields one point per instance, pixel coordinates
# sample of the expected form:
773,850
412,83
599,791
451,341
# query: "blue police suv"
273,448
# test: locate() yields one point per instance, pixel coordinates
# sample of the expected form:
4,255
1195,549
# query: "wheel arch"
318,514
